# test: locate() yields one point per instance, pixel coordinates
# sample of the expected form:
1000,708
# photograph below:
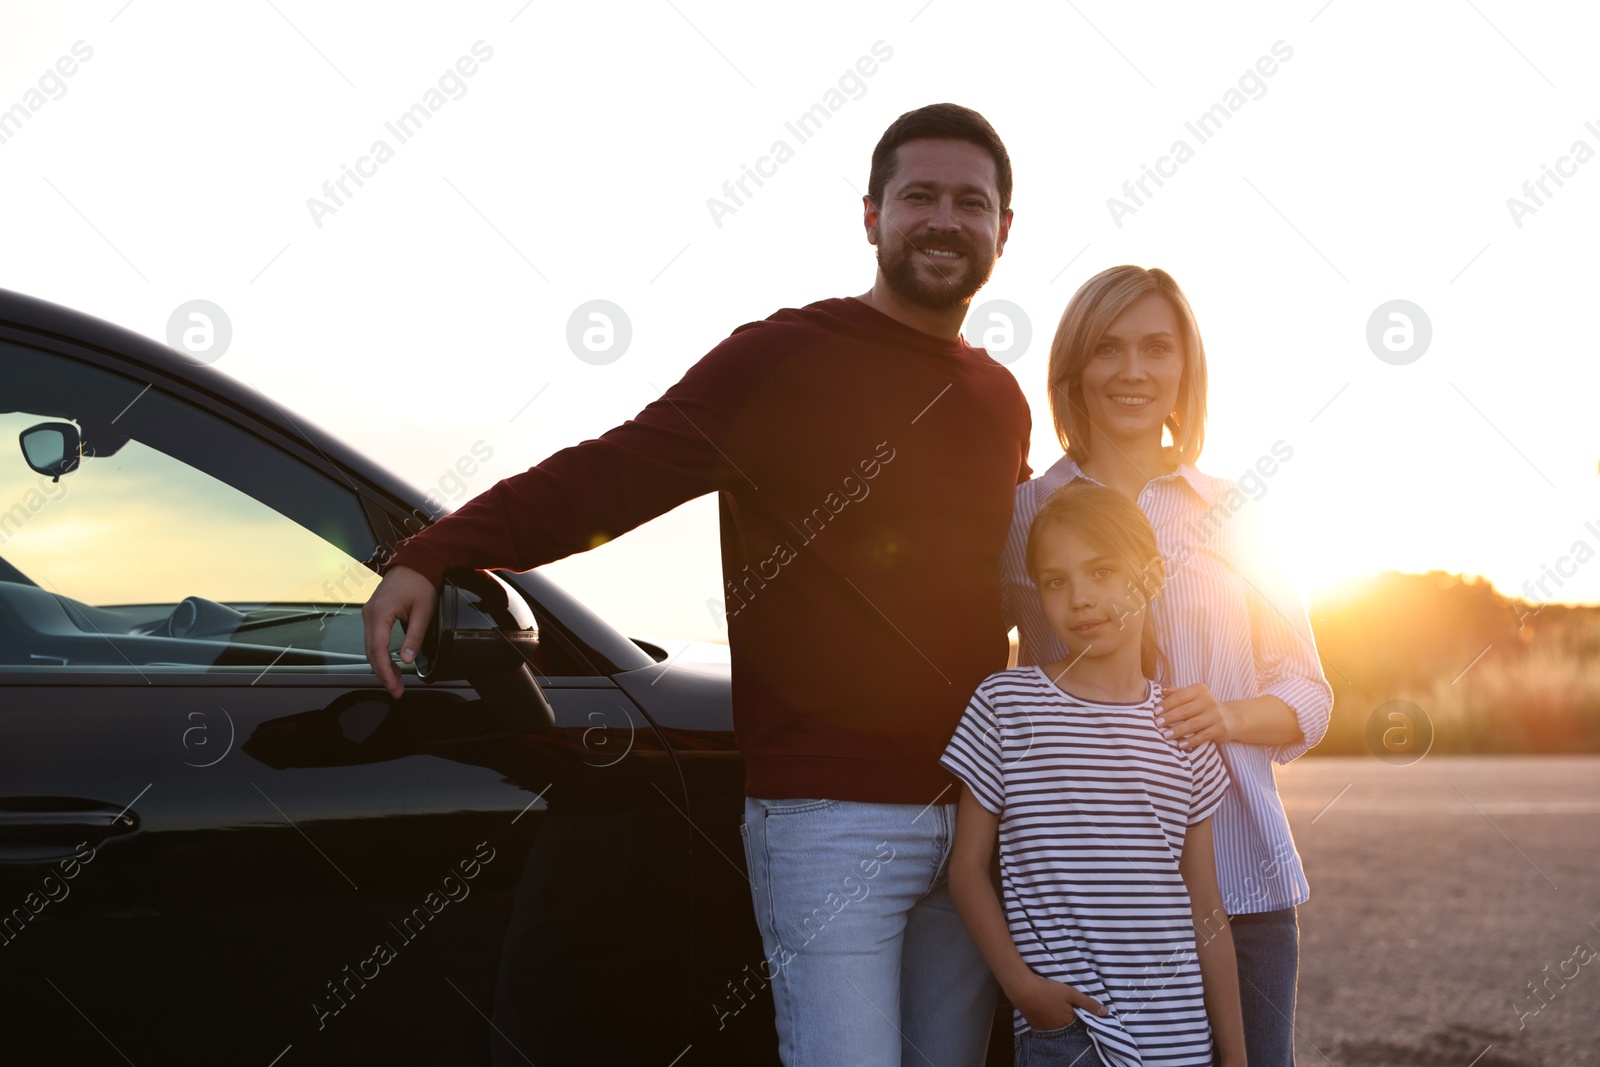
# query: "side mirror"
484,632
52,448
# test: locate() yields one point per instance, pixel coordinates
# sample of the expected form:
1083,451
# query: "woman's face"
1130,380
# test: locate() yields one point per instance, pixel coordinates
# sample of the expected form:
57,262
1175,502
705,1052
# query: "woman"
1240,668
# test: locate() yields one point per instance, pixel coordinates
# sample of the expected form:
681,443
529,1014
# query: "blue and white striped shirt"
1227,617
1094,808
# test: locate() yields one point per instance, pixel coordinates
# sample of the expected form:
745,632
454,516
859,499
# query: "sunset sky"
426,310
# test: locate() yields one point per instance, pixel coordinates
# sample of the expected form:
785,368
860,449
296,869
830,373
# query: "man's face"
939,229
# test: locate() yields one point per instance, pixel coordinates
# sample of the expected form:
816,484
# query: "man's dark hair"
939,122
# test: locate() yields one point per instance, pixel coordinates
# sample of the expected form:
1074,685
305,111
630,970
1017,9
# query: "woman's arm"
1288,666
1219,967
1292,701
1195,716
1046,1004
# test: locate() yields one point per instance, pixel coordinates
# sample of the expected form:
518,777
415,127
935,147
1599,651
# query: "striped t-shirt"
1094,805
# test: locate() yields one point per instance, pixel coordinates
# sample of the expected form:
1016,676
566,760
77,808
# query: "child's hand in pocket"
1050,1005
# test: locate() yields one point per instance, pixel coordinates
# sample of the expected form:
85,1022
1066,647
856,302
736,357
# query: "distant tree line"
1492,673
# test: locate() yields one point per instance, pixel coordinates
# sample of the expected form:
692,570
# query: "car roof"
33,315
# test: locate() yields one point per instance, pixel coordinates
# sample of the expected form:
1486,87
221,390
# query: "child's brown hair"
1114,525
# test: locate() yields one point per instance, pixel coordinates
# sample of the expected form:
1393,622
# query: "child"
1118,944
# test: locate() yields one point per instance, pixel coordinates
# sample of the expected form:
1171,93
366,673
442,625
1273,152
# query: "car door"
221,841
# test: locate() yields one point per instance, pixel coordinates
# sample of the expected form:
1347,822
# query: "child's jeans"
1069,1046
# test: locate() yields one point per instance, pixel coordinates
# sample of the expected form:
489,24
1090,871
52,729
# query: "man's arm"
406,597
674,450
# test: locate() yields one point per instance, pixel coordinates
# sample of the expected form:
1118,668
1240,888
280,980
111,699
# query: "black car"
222,842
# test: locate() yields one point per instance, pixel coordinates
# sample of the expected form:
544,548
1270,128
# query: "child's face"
1091,599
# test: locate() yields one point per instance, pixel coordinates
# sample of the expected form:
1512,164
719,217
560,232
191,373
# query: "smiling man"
865,459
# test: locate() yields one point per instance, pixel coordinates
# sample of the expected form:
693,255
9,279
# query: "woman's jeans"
1267,945
869,962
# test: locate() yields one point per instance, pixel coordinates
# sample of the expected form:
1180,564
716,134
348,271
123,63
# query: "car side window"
180,541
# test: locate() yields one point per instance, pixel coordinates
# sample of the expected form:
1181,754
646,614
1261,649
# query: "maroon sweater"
866,473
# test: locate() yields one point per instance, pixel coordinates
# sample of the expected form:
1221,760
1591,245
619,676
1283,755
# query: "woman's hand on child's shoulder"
1050,1005
1190,716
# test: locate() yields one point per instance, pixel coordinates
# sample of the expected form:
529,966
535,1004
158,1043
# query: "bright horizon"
1429,154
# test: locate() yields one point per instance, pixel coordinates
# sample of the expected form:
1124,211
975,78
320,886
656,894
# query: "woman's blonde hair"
1089,314
1115,526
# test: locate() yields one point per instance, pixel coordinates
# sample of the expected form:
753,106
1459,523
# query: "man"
865,459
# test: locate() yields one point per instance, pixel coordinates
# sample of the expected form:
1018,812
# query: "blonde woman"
1240,667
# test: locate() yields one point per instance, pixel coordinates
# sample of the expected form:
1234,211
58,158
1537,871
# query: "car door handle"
35,828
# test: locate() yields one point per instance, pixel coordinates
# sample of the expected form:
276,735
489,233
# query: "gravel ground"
1439,891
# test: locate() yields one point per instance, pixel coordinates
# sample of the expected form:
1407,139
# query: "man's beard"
899,267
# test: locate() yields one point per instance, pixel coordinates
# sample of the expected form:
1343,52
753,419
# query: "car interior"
137,530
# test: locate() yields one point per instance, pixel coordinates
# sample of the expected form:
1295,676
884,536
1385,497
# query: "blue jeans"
1267,945
869,962
1070,1046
